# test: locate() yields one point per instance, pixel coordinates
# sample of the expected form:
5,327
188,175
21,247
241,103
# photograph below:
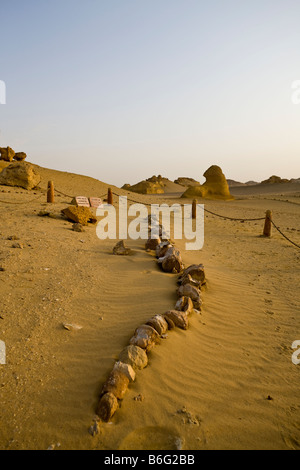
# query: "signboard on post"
96,202
82,201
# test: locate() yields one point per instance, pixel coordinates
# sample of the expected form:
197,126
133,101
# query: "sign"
96,202
82,201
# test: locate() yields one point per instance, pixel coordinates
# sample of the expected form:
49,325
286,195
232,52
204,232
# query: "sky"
121,90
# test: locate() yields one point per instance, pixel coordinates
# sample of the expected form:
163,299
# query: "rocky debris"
184,304
159,324
77,228
21,174
171,262
180,319
193,274
117,384
126,369
20,246
95,428
13,237
79,215
20,156
107,407
7,154
145,337
215,186
189,291
47,214
152,243
72,327
139,397
121,250
134,356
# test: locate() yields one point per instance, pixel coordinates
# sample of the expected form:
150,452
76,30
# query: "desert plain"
228,382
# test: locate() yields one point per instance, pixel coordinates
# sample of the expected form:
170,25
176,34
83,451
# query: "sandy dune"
206,388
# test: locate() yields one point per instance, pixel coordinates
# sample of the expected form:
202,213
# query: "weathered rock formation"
7,154
146,187
184,181
275,180
20,174
20,156
215,187
79,215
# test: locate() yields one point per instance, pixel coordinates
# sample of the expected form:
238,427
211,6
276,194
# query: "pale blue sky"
123,89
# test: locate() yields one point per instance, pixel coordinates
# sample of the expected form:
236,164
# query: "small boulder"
20,156
145,337
20,174
184,304
117,384
126,369
79,215
196,273
77,228
134,356
180,319
121,250
189,291
162,249
159,324
107,407
7,154
152,243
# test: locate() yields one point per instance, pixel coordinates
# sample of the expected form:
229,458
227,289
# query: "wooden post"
110,197
194,209
268,224
50,192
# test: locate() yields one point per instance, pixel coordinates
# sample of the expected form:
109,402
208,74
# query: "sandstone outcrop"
20,174
215,186
7,154
147,187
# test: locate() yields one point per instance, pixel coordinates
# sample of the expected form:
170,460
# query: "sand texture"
228,382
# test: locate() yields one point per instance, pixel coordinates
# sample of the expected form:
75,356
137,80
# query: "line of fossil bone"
135,356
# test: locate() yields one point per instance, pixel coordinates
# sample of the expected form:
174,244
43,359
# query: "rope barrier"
288,239
23,202
150,204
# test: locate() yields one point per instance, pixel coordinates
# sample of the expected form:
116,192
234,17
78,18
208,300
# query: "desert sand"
226,383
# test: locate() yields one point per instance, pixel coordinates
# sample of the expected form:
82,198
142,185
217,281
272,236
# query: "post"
50,192
268,224
194,209
110,197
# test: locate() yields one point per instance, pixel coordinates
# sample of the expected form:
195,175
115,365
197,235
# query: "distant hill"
275,180
234,184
